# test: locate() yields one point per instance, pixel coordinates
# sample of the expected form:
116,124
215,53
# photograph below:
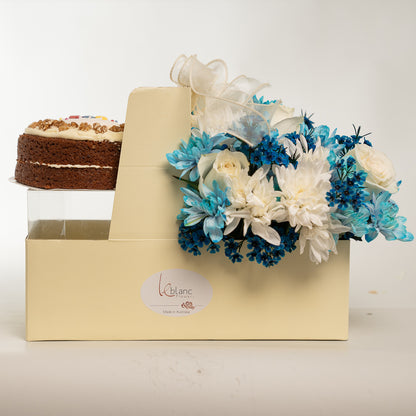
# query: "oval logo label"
176,292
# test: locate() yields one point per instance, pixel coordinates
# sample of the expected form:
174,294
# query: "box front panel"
93,290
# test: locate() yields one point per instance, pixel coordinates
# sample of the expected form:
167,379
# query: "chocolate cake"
74,153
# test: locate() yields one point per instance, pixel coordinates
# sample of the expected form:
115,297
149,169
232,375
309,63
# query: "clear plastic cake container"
68,214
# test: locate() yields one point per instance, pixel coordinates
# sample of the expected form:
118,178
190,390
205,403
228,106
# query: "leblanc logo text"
170,290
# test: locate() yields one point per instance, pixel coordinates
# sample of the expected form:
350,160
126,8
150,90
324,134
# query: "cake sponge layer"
47,177
59,151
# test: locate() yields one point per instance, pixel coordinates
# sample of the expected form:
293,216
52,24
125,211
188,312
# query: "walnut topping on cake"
63,127
86,126
116,128
98,128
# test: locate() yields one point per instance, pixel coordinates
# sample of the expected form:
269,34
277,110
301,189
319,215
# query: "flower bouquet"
258,177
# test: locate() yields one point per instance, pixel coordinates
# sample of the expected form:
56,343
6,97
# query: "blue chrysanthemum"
358,221
186,158
384,219
208,207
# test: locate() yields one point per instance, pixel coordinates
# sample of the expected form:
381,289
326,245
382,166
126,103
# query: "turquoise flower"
188,155
209,207
358,220
384,219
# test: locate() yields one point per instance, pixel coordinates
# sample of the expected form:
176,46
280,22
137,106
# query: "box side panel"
90,290
152,207
157,120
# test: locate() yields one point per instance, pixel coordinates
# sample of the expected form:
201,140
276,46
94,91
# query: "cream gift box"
128,278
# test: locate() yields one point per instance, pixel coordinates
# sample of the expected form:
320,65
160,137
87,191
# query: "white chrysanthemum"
303,197
321,239
253,200
303,190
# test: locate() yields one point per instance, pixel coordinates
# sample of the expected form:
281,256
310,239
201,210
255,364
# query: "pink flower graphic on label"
188,305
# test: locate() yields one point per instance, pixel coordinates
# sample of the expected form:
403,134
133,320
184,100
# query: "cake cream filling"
53,165
75,134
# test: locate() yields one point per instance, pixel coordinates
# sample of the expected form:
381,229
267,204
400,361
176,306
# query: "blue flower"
210,207
213,248
232,250
307,120
384,219
337,144
358,221
267,152
347,185
267,254
312,134
191,239
186,158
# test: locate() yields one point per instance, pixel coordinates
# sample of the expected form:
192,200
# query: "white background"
345,61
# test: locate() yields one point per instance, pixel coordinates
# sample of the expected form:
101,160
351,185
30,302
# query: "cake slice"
80,152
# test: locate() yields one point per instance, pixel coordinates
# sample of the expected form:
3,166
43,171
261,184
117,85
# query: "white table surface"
371,374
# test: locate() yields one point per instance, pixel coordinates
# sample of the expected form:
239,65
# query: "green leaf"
193,184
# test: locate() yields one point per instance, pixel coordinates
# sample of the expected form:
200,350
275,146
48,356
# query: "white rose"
380,171
221,167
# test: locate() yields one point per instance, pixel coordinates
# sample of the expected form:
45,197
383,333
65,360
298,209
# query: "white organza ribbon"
219,106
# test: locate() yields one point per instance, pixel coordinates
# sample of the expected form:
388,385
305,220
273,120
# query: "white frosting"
76,134
52,165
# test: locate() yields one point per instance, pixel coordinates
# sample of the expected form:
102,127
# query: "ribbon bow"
219,106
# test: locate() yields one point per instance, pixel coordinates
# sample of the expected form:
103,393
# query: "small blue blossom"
350,161
347,185
293,137
384,219
186,158
213,248
191,239
346,143
267,152
232,250
210,207
267,254
360,138
307,121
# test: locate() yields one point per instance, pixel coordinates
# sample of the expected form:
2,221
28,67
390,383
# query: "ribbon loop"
219,106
